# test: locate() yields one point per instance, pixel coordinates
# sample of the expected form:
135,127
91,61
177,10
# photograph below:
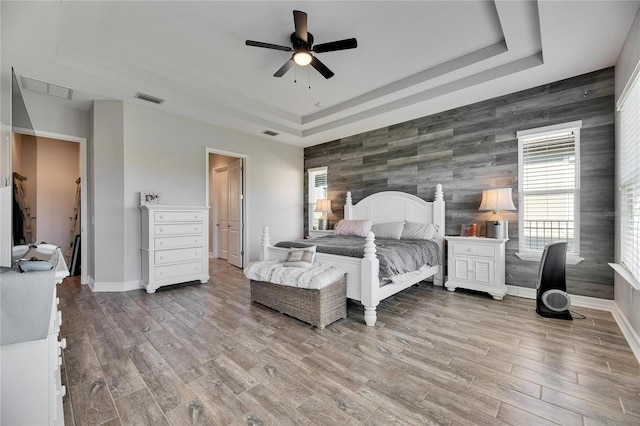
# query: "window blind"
630,179
549,189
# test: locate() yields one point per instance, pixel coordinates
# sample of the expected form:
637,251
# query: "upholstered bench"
316,295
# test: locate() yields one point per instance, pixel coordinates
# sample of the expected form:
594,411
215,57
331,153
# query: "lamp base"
497,228
323,224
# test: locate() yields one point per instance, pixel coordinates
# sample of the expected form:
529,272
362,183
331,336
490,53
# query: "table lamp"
497,199
324,207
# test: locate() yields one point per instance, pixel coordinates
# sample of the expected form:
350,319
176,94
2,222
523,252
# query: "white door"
222,211
235,213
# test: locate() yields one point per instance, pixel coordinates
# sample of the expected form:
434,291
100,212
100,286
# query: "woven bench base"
316,307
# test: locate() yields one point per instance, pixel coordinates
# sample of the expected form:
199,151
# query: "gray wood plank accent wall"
474,147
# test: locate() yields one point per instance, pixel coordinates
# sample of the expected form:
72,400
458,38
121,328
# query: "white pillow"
300,257
390,230
359,228
418,231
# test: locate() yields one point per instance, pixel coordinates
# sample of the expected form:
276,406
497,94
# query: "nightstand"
476,263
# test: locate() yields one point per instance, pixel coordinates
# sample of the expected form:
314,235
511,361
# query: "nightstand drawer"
474,249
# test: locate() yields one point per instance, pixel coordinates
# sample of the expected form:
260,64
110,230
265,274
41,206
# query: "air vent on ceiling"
149,98
46,88
270,133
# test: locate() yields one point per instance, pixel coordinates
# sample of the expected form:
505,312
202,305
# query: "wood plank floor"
203,354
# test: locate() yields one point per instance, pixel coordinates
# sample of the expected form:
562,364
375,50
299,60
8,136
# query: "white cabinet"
175,245
31,387
476,264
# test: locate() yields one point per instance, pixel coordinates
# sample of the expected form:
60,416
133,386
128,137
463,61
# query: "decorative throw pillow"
358,228
390,230
300,257
418,231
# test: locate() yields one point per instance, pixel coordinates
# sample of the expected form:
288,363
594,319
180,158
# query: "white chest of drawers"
175,245
476,264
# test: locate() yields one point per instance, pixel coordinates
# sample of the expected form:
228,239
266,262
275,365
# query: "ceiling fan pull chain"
309,80
295,75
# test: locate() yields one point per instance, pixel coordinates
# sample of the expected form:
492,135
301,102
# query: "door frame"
84,235
245,190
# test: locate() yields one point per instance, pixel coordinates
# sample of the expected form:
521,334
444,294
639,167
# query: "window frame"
573,256
628,179
311,194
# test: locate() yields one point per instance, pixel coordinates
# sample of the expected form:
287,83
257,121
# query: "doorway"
51,170
227,204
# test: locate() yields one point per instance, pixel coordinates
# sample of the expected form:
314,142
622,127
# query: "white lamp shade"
323,206
497,199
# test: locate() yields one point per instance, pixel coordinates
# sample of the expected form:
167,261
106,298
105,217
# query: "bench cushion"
275,272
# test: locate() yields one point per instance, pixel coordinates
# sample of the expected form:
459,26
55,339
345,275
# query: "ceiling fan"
302,46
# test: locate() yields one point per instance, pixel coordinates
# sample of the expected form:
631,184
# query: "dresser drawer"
178,229
178,242
179,270
471,249
178,216
162,257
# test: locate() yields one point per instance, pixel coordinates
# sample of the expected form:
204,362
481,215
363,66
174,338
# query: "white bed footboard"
363,283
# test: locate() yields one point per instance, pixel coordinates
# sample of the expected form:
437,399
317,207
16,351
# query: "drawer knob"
470,249
161,229
161,243
196,240
161,216
195,229
161,257
196,216
161,273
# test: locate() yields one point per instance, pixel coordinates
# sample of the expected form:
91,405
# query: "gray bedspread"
395,256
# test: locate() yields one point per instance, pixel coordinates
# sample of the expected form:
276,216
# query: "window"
318,190
629,171
549,186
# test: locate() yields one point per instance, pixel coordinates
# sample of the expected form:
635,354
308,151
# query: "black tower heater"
552,300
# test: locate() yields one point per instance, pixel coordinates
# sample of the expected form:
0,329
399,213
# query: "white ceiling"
413,58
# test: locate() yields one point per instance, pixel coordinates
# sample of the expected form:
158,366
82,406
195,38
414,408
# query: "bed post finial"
439,193
266,242
348,206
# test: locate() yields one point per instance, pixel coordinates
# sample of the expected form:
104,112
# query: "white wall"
627,299
167,153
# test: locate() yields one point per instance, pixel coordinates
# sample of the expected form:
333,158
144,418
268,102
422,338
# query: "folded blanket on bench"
273,271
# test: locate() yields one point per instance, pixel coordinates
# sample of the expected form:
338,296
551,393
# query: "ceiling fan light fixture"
302,58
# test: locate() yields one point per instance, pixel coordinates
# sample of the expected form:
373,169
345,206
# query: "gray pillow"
390,230
418,231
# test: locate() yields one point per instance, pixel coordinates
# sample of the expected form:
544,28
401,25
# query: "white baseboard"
114,286
594,303
627,331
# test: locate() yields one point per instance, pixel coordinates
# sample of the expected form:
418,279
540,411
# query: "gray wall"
474,147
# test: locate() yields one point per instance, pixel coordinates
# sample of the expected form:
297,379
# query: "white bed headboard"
394,206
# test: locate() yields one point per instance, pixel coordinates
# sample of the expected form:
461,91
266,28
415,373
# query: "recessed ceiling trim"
462,83
412,80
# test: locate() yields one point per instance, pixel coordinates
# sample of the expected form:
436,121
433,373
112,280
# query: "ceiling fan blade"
300,22
283,69
349,43
268,45
321,68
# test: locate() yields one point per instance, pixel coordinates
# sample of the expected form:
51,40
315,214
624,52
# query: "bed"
363,281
